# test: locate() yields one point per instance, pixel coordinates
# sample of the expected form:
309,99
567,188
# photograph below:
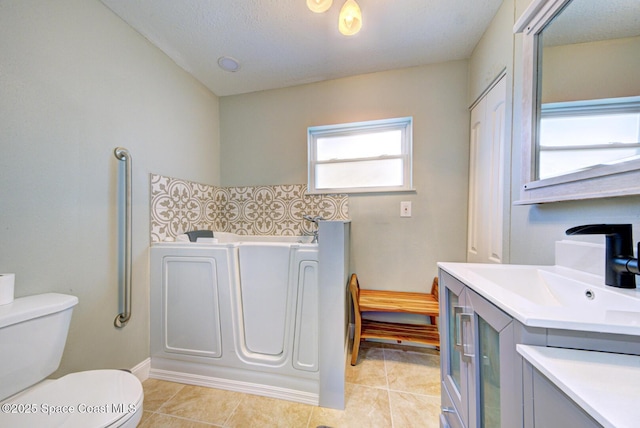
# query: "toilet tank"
33,332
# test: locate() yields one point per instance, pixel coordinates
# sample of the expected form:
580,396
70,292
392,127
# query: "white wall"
264,141
75,82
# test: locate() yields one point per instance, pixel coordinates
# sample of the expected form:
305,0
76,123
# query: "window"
372,156
577,135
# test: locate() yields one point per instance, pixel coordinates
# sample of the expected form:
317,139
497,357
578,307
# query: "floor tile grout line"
173,396
398,391
233,412
390,407
386,377
384,388
182,386
309,418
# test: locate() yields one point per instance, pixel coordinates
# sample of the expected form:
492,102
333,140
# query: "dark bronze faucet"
620,266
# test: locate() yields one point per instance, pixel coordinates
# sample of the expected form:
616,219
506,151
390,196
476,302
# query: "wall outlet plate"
405,209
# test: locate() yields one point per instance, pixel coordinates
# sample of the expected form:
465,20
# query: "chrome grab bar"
122,319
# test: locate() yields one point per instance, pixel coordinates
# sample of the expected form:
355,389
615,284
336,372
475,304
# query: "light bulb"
350,20
319,6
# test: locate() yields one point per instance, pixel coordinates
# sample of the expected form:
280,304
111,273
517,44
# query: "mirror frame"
600,181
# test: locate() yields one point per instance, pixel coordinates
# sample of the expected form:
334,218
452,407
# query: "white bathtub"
239,314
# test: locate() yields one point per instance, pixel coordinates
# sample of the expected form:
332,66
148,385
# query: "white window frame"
600,107
404,124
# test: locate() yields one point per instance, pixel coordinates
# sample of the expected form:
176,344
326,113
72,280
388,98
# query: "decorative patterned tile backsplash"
179,206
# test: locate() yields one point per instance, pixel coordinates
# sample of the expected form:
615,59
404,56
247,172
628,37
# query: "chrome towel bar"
122,319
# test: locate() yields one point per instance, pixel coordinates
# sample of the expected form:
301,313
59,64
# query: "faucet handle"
312,219
618,236
600,229
620,266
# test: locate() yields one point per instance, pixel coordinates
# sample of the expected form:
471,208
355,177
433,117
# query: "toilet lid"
96,398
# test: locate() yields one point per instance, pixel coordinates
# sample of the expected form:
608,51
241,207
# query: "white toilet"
33,332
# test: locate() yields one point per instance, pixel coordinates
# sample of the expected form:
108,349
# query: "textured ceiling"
281,43
591,20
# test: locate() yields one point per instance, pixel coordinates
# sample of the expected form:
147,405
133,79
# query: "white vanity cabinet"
546,406
515,363
579,388
479,374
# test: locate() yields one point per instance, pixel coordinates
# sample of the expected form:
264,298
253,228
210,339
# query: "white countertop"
606,386
519,291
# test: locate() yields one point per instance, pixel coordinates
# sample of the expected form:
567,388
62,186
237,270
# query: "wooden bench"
394,301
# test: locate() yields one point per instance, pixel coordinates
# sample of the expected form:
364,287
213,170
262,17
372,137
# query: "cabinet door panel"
489,374
480,378
449,417
454,370
494,402
553,409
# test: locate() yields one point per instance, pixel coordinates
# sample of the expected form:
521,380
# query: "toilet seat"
95,398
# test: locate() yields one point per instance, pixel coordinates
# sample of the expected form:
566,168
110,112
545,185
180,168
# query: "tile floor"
392,386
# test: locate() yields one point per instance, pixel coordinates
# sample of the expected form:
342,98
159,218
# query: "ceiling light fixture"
350,19
319,6
228,64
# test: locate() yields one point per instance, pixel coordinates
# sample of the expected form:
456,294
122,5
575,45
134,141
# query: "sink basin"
553,296
548,288
532,284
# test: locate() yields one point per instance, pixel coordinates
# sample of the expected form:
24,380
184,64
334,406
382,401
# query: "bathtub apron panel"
305,348
264,290
192,307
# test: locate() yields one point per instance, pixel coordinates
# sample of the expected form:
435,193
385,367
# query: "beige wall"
493,53
492,57
75,82
569,71
264,141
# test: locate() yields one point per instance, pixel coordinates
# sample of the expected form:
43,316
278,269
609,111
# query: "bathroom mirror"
580,100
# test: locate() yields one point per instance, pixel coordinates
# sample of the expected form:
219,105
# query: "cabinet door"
454,369
492,399
552,408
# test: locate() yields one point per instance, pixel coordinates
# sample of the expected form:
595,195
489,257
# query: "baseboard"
141,370
237,386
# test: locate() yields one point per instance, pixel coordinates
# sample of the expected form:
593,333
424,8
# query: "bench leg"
356,348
